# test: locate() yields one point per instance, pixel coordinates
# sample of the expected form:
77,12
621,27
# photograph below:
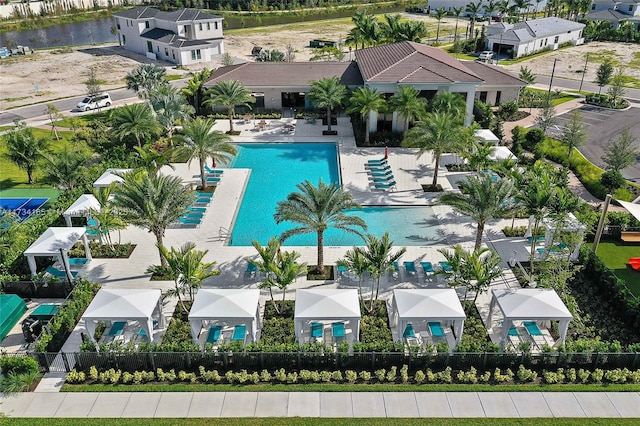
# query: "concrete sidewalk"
319,404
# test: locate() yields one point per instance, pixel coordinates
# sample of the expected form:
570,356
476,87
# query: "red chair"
634,262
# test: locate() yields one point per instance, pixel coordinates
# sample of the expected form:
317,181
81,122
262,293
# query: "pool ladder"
224,233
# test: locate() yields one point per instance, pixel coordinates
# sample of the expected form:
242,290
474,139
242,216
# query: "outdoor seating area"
194,214
327,315
55,243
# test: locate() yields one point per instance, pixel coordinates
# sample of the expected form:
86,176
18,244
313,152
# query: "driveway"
603,126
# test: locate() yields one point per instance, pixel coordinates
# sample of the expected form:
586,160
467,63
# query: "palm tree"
267,261
379,260
574,134
390,29
229,94
365,31
66,168
151,159
522,6
457,11
193,89
478,156
316,209
437,132
451,103
200,141
440,14
481,199
187,269
152,202
355,262
135,121
25,149
327,93
490,7
407,103
170,107
146,78
481,267
473,9
363,101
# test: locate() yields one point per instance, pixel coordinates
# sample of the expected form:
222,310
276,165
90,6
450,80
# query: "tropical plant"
490,7
574,134
106,220
229,94
363,101
621,152
457,11
604,74
316,209
194,88
199,141
151,159
527,75
473,9
365,31
54,115
523,6
267,55
546,118
136,121
146,78
25,149
616,87
152,202
440,14
67,168
481,267
481,199
393,30
612,180
478,155
187,270
267,261
450,103
408,105
327,93
170,107
355,262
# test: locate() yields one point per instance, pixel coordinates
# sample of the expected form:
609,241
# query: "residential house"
615,12
183,37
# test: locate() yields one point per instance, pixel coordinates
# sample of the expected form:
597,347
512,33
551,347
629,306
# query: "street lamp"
553,71
584,71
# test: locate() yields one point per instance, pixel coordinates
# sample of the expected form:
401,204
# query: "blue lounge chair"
383,180
410,267
532,328
395,270
204,194
342,271
197,209
381,185
213,171
337,330
55,272
201,201
117,328
239,333
189,221
317,330
436,329
193,215
78,260
409,332
427,268
251,271
513,331
380,161
213,179
215,331
446,267
378,173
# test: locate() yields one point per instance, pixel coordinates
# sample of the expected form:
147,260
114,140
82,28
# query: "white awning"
327,305
81,207
56,242
632,208
110,176
487,136
500,153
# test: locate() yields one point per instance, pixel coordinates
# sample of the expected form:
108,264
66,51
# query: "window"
540,43
124,39
149,47
215,25
546,40
195,54
146,24
208,26
166,52
593,6
630,8
498,96
200,26
555,40
483,97
173,54
117,23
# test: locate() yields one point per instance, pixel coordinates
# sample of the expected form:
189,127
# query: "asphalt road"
587,86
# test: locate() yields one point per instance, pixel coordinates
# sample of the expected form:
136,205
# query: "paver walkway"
319,404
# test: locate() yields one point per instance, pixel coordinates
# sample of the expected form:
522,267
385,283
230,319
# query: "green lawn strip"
50,193
615,255
325,387
86,119
298,421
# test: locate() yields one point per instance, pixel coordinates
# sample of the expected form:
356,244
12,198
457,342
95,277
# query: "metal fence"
256,361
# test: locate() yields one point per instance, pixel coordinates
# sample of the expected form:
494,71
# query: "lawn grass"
615,255
49,193
298,421
557,101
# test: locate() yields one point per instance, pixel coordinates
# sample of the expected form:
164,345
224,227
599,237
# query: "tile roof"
274,74
180,15
494,75
408,62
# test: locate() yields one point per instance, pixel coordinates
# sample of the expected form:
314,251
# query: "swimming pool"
276,169
23,207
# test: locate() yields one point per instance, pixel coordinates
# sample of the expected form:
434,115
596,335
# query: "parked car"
485,55
100,100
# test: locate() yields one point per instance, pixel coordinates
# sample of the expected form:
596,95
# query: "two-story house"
183,37
616,12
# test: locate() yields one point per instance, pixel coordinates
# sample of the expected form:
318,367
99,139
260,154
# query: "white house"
616,12
527,37
183,37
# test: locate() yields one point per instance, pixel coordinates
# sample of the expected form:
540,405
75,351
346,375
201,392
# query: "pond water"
72,34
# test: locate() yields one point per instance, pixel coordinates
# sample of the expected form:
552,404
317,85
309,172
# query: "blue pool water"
276,169
23,207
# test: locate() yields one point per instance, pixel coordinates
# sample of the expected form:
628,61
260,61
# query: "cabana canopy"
81,207
124,305
234,306
501,153
56,242
634,209
530,304
110,176
437,304
487,136
327,305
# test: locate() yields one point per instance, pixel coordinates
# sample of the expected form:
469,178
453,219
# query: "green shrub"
365,376
350,376
18,364
534,137
525,374
76,376
419,377
507,110
612,180
470,376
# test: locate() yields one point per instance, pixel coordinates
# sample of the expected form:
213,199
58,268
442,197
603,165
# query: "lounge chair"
534,331
189,221
239,333
380,161
215,332
436,329
395,270
383,180
317,330
446,267
251,271
193,215
78,260
342,271
381,173
410,268
197,209
377,167
409,332
213,171
55,272
427,268
539,239
117,328
204,200
338,331
213,179
204,194
381,185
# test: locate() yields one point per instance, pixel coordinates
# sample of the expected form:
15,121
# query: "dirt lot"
48,75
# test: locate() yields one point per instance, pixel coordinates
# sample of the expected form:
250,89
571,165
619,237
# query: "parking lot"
603,126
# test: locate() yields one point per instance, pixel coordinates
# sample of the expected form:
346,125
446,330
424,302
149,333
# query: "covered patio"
56,242
129,314
552,227
81,208
328,315
110,176
225,314
428,315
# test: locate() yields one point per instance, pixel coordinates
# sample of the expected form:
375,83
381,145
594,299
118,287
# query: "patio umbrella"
386,152
213,162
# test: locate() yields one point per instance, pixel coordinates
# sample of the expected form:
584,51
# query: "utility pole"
553,71
584,71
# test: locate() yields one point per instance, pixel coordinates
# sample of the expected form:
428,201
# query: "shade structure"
110,176
570,224
327,305
530,304
56,242
632,208
124,305
501,153
81,207
231,306
437,304
487,135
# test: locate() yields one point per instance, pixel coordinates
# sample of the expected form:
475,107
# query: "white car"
485,55
100,100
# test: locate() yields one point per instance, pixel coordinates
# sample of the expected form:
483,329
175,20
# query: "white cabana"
110,176
230,306
530,304
436,304
501,153
81,207
632,208
571,225
56,242
114,305
327,305
487,136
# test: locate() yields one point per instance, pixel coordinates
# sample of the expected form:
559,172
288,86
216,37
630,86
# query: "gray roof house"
527,37
615,12
183,37
385,68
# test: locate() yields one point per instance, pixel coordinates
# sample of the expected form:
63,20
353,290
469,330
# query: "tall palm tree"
407,103
436,132
146,78
355,262
153,202
390,29
135,121
316,209
283,272
193,90
457,11
481,267
523,6
66,168
478,156
450,103
151,159
199,141
170,107
379,258
365,31
363,101
473,9
25,149
327,93
481,199
490,7
267,261
440,15
229,94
